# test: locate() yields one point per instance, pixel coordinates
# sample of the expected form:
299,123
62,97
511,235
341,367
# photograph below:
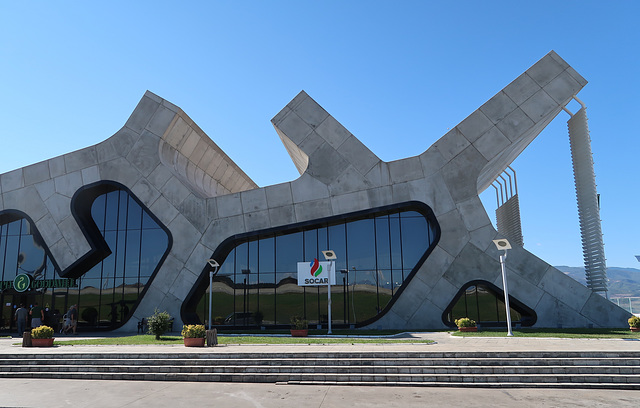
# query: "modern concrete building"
127,226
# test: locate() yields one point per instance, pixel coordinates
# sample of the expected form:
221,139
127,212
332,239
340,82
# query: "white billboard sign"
315,273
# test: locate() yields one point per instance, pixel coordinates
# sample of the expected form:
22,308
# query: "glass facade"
256,284
484,302
22,252
111,289
108,292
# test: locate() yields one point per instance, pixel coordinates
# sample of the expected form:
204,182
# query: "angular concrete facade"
203,198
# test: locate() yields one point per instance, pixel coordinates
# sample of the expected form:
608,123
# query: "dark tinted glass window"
137,243
288,252
108,292
361,240
22,251
484,303
415,237
376,253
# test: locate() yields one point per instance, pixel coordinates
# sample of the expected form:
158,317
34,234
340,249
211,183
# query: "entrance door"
6,318
11,300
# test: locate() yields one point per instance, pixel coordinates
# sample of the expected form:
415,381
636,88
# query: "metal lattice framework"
508,211
588,201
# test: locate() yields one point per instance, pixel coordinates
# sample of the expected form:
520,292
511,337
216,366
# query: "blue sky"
396,74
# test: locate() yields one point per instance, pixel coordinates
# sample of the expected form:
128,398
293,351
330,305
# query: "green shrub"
465,322
193,331
159,323
42,332
634,321
298,323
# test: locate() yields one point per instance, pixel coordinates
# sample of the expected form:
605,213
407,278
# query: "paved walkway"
90,393
443,342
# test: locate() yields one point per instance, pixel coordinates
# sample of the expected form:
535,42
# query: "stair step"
502,356
573,385
335,378
434,370
161,360
531,369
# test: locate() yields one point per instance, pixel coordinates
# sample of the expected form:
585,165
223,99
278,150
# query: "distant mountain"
623,282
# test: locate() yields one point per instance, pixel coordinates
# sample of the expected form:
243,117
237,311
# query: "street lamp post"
330,256
212,263
503,244
630,307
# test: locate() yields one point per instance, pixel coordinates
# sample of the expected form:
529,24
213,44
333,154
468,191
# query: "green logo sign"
24,282
21,282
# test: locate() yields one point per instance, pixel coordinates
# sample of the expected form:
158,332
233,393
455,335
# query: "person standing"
73,317
37,315
21,319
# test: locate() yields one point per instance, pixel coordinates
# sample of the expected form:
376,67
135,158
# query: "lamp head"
502,244
212,263
329,255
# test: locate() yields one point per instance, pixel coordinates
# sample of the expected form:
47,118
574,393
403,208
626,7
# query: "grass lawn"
558,333
150,339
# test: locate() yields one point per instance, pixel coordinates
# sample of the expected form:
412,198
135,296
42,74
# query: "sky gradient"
398,75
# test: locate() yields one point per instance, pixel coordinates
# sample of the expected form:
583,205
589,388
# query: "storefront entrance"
11,300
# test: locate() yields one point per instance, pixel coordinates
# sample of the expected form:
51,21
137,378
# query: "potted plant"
466,325
299,327
634,323
42,336
194,335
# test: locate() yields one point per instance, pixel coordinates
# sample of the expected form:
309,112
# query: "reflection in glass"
289,297
106,293
376,253
482,302
137,243
415,237
266,254
22,252
11,258
361,244
288,252
337,243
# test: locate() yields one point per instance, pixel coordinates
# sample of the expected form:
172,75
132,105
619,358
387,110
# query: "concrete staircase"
607,370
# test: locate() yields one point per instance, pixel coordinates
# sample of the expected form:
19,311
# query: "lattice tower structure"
508,220
588,205
508,206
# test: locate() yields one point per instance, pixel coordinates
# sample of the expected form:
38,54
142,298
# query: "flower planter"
468,329
299,332
42,342
194,341
634,329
